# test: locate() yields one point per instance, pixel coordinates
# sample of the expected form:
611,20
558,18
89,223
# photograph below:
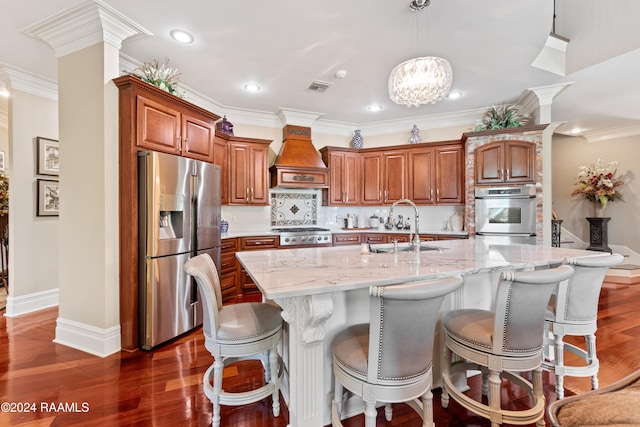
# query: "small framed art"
48,157
48,197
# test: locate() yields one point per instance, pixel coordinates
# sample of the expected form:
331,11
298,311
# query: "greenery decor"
501,117
159,75
4,193
597,183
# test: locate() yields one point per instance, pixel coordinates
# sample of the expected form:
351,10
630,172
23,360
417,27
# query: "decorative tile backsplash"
292,208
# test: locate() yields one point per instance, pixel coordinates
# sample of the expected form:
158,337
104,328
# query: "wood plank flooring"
60,386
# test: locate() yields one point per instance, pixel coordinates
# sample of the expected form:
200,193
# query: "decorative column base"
598,235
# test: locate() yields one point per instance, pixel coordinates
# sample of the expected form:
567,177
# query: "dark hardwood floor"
54,385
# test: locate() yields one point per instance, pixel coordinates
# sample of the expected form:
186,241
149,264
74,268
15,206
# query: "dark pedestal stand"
598,235
556,228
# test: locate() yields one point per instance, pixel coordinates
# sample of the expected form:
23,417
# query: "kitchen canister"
357,142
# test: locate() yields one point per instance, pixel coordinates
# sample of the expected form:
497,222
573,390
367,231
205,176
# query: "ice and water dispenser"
171,216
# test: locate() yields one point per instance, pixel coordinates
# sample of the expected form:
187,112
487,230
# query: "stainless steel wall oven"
506,213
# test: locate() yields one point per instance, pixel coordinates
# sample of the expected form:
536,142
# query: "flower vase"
599,209
357,142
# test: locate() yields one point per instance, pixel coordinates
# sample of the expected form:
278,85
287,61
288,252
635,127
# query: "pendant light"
423,80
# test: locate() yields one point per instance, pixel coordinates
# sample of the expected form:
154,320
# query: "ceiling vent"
319,86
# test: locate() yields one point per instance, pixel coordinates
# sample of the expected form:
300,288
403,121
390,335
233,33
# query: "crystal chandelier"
418,81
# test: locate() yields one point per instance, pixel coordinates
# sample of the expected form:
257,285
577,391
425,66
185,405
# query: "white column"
87,39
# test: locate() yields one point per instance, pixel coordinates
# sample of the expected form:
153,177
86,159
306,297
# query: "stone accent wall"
473,140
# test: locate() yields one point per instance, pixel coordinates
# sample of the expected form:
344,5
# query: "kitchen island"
322,290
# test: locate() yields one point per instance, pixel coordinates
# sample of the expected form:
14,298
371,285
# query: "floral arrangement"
4,193
501,117
159,75
597,183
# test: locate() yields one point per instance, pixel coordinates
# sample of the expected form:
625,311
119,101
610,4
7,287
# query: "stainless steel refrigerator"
179,217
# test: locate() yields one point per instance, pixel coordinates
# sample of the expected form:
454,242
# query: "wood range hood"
298,165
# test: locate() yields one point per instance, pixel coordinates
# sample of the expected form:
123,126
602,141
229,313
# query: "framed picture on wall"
2,165
48,157
48,198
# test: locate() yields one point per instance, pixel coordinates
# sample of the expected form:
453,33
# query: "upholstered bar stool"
573,310
502,343
389,359
236,332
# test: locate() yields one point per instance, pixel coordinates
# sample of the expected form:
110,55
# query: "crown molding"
25,81
84,25
298,117
607,134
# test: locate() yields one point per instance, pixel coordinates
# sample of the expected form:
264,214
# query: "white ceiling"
284,45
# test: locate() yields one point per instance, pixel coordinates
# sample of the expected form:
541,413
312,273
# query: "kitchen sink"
388,248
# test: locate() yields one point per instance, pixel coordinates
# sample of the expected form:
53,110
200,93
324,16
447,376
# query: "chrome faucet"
415,240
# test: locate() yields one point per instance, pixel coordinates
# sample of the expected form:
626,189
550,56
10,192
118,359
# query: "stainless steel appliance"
506,214
304,236
179,217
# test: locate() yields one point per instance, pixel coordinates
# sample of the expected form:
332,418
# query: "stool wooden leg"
494,396
538,392
427,409
559,366
444,397
218,367
592,358
388,412
275,380
370,414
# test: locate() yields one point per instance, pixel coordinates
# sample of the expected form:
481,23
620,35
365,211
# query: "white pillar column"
87,39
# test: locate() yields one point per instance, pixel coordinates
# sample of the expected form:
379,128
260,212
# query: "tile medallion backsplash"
289,209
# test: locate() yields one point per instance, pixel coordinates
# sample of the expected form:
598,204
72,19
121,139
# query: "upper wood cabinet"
449,174
435,174
384,176
427,174
344,177
394,181
174,129
248,163
506,162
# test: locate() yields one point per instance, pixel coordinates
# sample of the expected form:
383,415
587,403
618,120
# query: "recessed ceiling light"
181,36
374,107
4,92
251,87
454,95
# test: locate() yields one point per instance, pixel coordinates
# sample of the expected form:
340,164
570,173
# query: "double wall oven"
506,214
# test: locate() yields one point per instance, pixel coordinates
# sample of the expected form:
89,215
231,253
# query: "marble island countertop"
234,234
310,271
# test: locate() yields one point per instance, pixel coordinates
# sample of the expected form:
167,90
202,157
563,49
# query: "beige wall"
33,242
571,152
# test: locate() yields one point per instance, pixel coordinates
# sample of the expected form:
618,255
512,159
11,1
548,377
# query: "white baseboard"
24,304
87,338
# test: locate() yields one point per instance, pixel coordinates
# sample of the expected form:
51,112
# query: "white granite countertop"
309,271
235,234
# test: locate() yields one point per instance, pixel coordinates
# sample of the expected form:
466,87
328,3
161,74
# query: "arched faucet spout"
415,240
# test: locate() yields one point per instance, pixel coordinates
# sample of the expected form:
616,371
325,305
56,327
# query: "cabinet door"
520,161
158,126
395,176
220,159
449,176
421,177
259,179
197,138
345,239
371,179
374,238
239,176
490,163
351,178
336,191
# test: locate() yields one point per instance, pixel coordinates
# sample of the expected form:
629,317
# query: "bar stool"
502,343
389,359
573,310
236,332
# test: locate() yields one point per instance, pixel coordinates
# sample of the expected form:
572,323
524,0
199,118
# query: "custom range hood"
298,164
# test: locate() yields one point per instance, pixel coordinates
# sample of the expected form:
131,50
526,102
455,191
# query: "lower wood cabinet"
228,270
346,239
245,282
